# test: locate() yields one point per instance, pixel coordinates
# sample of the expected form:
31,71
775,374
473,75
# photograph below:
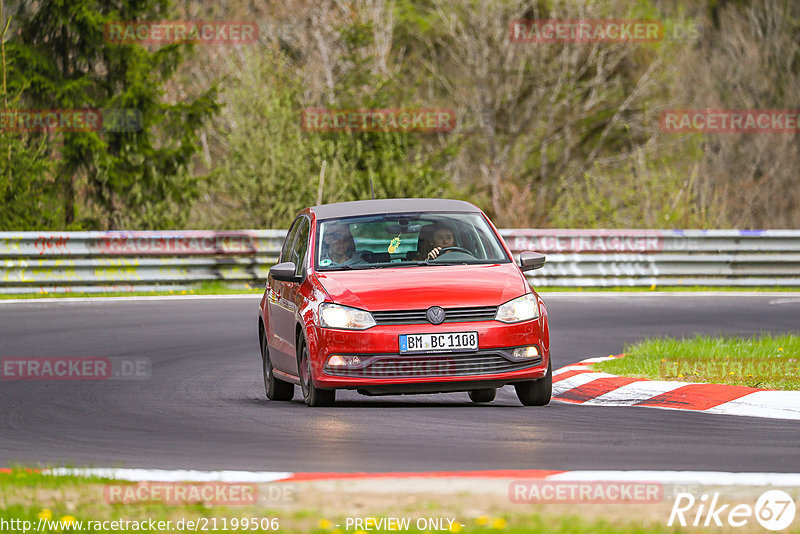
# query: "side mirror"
529,260
285,272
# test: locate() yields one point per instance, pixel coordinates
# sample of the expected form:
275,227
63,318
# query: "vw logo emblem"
435,315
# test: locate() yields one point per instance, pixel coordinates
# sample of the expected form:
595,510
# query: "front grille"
452,315
391,366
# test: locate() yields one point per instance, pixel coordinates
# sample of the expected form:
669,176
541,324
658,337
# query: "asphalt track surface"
204,406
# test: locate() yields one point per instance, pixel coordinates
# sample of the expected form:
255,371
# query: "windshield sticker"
393,244
325,262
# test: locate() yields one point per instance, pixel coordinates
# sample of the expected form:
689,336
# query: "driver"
441,238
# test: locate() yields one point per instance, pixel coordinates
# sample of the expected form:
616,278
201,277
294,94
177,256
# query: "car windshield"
406,240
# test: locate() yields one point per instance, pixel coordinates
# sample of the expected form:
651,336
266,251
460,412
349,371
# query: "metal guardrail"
129,261
662,257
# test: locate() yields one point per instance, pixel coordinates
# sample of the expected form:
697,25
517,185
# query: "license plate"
448,341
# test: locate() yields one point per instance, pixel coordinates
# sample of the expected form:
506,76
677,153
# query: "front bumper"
384,370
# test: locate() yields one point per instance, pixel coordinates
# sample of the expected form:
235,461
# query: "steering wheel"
458,249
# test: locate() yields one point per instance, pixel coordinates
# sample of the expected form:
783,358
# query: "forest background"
548,134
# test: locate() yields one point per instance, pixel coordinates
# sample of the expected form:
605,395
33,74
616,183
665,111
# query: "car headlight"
336,316
523,308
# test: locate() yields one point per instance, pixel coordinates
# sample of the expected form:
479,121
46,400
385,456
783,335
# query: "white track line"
709,478
772,404
574,367
634,392
766,404
577,380
598,359
166,475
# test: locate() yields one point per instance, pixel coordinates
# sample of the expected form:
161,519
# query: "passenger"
339,247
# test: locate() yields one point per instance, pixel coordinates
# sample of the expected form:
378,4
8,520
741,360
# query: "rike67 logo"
774,510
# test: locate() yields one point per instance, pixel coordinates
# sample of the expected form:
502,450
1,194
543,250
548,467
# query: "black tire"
483,395
276,389
536,392
312,396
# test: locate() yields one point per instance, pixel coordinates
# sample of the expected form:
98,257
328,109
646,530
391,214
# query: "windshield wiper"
336,268
431,263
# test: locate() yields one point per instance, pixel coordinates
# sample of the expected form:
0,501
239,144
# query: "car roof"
390,205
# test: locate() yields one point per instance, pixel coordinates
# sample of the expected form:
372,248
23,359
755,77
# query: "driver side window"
287,244
298,252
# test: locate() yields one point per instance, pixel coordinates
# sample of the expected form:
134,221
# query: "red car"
402,296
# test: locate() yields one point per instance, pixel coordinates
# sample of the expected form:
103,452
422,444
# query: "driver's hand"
433,253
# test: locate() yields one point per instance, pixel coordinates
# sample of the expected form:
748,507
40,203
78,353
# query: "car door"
278,345
283,299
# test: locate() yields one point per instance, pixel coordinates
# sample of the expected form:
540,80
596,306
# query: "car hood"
410,288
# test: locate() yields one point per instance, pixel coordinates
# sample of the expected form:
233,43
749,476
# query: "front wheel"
276,389
536,392
483,395
312,396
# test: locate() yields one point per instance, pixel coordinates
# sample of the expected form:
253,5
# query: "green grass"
767,361
27,495
522,524
17,476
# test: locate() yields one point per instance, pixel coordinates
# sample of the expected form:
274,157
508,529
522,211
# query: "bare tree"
749,61
535,112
